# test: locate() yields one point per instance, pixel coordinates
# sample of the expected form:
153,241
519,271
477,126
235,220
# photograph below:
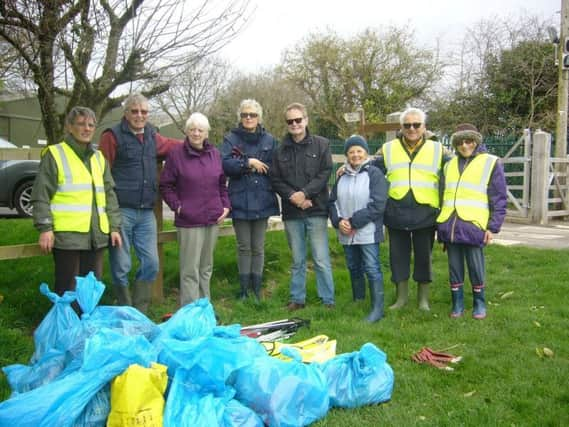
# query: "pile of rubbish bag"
115,367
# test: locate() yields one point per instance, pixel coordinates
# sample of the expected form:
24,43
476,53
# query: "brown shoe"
294,306
330,306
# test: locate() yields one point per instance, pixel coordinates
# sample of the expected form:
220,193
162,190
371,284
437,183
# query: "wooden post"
540,177
158,288
392,118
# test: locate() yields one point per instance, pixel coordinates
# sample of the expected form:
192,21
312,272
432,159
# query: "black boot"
257,283
123,295
358,287
376,292
244,280
142,295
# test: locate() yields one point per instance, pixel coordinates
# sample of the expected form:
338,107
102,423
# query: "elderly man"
75,207
301,167
413,166
132,148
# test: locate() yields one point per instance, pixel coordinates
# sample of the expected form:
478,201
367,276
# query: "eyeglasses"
464,141
249,115
297,121
414,125
135,112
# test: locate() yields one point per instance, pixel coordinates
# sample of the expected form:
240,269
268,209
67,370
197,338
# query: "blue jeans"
138,230
316,230
362,259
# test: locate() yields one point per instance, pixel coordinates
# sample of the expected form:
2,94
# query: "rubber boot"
244,280
257,283
402,295
423,296
376,292
479,303
358,287
141,296
457,296
122,294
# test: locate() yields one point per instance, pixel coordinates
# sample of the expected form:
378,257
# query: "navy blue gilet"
134,168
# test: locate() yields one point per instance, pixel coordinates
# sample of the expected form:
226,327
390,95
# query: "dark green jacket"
45,187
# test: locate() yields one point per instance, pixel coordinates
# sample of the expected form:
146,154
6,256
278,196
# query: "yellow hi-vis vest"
420,175
71,204
467,193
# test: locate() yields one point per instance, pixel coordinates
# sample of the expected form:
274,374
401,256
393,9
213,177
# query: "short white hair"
414,111
198,120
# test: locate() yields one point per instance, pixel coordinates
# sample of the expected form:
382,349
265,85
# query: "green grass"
500,381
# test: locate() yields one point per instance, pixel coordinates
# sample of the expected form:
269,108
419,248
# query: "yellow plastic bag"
137,397
316,349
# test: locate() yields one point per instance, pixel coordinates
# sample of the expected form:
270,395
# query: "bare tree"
377,71
92,52
194,87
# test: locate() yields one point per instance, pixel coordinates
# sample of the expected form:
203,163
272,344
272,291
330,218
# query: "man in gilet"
131,148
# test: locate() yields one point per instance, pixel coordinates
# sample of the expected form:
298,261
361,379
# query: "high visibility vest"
467,193
71,205
420,175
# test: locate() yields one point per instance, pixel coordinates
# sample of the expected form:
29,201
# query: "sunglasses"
291,121
135,112
464,141
249,115
414,125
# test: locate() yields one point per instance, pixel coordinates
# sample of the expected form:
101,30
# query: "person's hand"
297,198
46,241
345,227
223,215
306,204
179,210
116,239
340,171
488,237
258,166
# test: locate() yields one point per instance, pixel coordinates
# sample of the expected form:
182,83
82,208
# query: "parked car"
16,182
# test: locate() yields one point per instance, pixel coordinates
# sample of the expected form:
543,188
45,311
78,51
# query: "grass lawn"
503,379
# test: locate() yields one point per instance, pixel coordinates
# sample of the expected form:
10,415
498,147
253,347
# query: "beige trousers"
196,261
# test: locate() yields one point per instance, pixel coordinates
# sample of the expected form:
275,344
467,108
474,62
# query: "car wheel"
23,199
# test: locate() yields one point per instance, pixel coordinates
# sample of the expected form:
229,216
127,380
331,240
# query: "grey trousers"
196,261
250,236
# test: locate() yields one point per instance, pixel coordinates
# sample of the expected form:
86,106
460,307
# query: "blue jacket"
251,194
134,168
455,230
360,196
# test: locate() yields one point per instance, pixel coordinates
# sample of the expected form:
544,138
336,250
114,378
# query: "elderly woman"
247,153
194,187
473,210
356,207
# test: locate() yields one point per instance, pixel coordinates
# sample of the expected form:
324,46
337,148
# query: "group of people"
86,199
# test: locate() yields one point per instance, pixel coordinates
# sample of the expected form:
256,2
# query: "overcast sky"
278,24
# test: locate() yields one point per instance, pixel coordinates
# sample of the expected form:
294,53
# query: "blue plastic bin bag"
89,291
190,405
56,323
284,394
211,356
61,402
359,378
191,321
97,410
23,378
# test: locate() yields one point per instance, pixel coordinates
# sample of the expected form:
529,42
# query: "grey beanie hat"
355,140
466,131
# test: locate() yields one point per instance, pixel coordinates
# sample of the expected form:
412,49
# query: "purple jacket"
466,232
194,181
